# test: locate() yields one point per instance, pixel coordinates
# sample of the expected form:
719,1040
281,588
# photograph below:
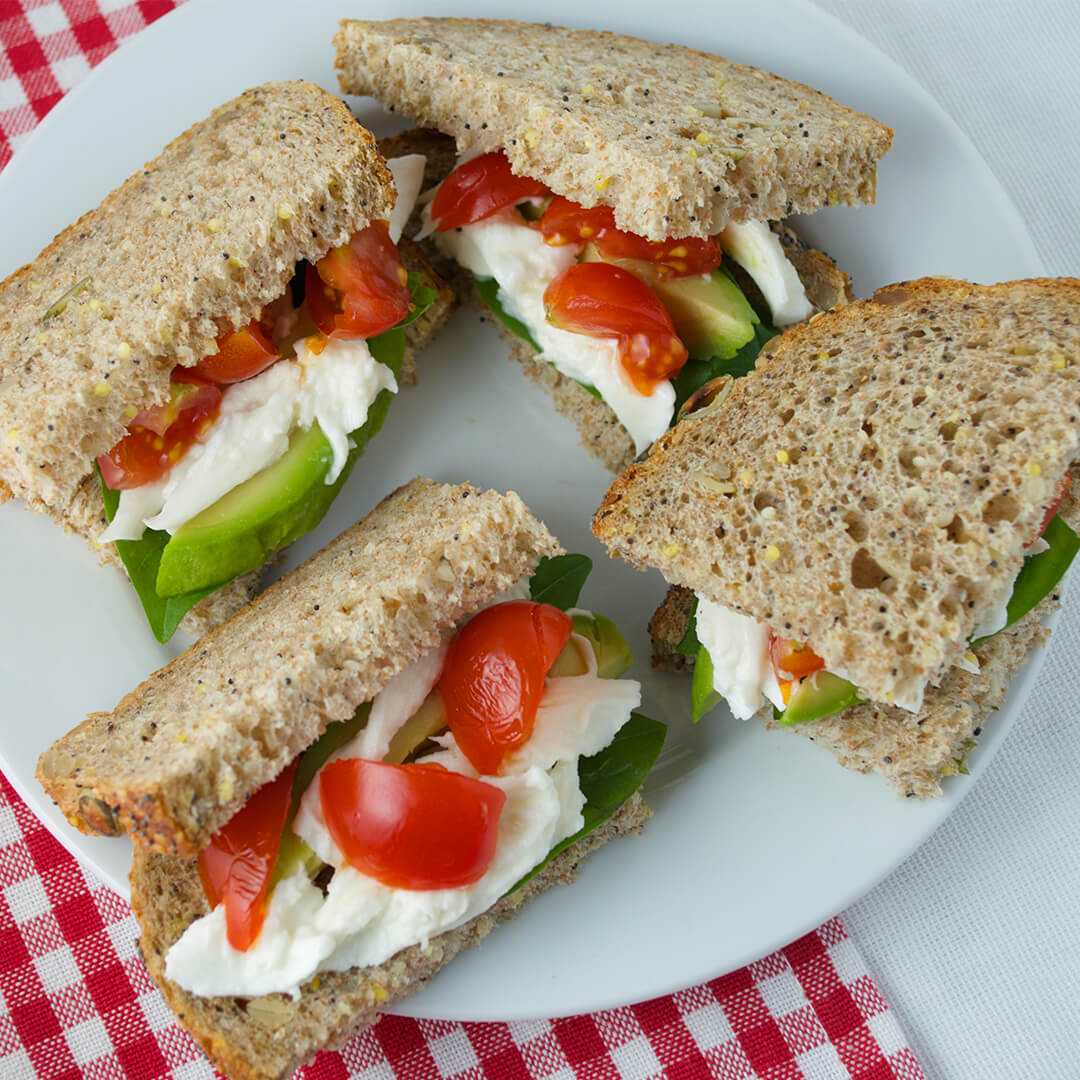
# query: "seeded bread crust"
914,752
870,486
678,142
195,243
601,430
183,751
268,1037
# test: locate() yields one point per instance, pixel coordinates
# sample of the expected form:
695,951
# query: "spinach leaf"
697,372
558,580
488,289
690,646
142,557
610,777
703,698
1040,573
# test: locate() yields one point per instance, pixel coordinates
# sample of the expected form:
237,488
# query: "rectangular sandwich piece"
362,772
188,372
611,198
862,529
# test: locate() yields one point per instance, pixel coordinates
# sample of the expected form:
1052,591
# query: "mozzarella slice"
757,249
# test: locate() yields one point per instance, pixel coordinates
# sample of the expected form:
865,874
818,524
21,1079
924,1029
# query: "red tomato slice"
1054,507
146,454
411,826
792,661
602,300
493,677
241,354
676,258
566,222
235,866
478,189
361,288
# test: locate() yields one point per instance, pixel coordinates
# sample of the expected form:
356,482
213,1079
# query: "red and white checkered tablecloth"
76,1003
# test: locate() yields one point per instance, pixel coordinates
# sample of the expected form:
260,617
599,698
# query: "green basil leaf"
703,698
488,290
610,777
422,297
696,373
690,646
1040,573
558,580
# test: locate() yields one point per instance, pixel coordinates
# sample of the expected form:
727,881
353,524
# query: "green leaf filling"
703,698
690,646
142,558
558,580
697,372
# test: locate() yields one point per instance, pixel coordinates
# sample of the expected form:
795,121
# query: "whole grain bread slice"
870,487
679,142
182,752
267,1038
601,430
196,242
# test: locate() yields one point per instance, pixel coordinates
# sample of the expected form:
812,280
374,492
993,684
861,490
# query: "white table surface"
975,941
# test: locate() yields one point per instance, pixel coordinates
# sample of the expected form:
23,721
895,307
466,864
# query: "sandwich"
188,373
612,197
864,531
362,772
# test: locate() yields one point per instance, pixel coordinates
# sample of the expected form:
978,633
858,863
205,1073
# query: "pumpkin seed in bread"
196,244
870,490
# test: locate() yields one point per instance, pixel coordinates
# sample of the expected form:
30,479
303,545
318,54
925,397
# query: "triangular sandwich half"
869,518
651,160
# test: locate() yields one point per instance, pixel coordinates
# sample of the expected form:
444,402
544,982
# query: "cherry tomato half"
478,188
159,437
241,354
361,288
493,677
791,660
1054,507
235,866
602,300
566,222
411,826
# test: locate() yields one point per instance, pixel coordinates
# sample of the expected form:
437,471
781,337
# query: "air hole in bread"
786,415
856,527
866,573
920,561
948,430
918,399
956,530
911,462
1001,508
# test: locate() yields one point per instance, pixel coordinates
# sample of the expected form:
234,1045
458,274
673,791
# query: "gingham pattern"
76,1003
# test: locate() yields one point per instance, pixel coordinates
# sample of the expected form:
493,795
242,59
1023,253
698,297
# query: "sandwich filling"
615,312
749,665
276,415
454,784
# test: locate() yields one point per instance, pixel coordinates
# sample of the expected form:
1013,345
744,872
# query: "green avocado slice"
273,508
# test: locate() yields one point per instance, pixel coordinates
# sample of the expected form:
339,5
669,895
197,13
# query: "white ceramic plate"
757,837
